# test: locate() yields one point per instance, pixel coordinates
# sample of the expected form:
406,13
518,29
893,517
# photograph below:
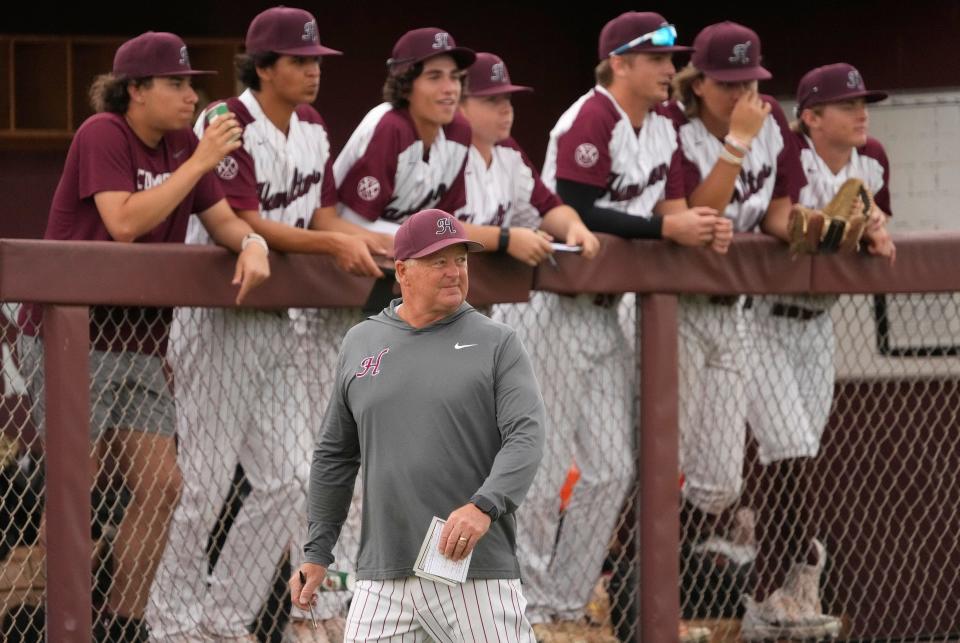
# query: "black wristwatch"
486,507
504,240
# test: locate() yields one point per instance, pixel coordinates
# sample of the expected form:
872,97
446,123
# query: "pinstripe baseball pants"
414,609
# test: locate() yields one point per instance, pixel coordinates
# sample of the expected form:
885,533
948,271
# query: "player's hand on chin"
693,227
464,528
253,268
303,594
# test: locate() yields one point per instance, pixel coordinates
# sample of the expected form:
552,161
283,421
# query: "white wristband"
730,157
737,144
253,237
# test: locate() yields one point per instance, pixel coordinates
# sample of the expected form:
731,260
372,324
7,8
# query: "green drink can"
215,112
337,581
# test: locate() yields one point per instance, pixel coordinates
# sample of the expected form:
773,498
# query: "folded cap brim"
472,246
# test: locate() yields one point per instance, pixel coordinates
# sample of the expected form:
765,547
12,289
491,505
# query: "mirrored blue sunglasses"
665,36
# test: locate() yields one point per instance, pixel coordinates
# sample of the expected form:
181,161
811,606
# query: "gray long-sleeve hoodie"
434,416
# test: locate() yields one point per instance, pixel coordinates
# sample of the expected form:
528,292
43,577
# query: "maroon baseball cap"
285,30
488,76
428,231
832,83
154,53
632,24
419,44
729,52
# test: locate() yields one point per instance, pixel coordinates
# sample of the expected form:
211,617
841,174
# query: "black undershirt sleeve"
582,197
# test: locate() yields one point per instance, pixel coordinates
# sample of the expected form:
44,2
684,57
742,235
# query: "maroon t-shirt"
106,156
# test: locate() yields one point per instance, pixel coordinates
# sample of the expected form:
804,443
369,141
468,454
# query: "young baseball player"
134,173
792,399
612,157
409,152
507,203
244,377
740,157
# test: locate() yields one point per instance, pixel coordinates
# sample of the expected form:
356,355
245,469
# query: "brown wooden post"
658,467
69,544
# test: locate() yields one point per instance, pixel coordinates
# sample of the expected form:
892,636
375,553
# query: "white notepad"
433,565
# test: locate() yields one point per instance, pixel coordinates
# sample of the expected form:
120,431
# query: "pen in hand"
313,617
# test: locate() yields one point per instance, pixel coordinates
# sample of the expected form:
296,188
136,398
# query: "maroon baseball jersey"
595,143
385,173
107,156
770,170
509,190
868,163
285,176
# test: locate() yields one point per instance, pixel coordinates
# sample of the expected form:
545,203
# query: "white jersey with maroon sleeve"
868,163
595,143
508,191
285,177
384,175
770,170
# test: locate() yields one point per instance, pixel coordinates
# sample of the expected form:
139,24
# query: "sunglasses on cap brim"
664,36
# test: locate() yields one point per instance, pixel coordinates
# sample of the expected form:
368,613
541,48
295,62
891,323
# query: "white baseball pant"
791,378
587,380
712,401
414,609
245,388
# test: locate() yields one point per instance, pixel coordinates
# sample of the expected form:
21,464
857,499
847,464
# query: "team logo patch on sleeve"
227,168
586,155
368,188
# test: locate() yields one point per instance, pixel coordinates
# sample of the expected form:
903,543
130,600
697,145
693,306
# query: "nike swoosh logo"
458,346
178,153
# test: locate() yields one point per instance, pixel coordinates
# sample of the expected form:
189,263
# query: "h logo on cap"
441,40
184,58
445,226
854,79
498,73
740,53
310,32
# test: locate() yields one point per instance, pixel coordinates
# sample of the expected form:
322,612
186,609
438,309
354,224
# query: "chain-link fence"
819,455
803,422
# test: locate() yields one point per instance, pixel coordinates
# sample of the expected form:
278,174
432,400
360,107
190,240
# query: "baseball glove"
838,227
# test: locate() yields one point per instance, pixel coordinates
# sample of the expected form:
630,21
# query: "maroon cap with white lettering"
428,231
833,83
729,52
418,45
285,30
488,76
154,53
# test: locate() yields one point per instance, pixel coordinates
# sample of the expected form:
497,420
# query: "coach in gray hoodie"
440,407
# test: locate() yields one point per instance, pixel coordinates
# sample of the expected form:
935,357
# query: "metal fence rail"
879,492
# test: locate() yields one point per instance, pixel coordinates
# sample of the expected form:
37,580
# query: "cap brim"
461,55
738,75
310,50
180,72
869,96
644,49
500,89
472,246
